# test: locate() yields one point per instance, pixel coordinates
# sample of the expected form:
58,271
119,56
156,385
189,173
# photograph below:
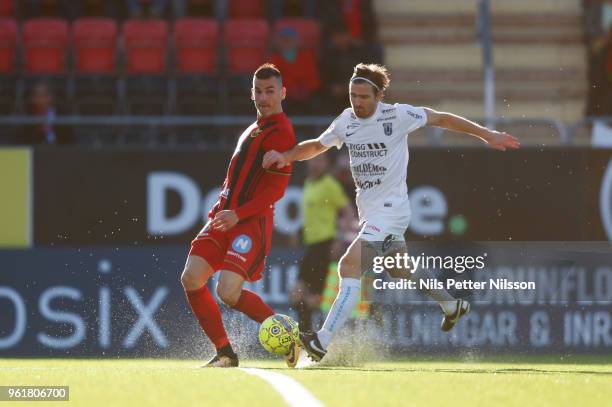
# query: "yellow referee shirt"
321,200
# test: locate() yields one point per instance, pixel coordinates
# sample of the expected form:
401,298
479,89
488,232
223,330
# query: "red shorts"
242,249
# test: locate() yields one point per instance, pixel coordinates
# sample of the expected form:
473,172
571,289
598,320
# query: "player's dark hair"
267,71
378,74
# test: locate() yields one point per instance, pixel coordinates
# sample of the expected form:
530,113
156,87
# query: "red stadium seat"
46,43
7,8
196,43
94,41
145,46
8,45
308,29
246,44
247,8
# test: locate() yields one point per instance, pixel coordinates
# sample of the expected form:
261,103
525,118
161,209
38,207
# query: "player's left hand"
224,220
502,141
274,157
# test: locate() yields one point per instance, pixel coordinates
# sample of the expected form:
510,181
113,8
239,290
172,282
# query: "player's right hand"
502,141
274,157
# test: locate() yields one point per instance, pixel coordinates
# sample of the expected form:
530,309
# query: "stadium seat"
94,41
8,75
246,47
196,43
308,29
95,86
45,41
45,49
145,44
247,9
146,84
246,44
7,8
8,45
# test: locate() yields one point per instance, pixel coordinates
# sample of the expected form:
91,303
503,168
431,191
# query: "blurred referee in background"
323,203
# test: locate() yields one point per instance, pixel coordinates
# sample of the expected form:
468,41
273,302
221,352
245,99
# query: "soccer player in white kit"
375,134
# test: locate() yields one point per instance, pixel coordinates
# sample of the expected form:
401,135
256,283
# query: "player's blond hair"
375,73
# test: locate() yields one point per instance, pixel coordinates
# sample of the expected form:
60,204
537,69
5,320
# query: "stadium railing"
158,130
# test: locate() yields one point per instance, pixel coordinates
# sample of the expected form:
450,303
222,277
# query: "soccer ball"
277,333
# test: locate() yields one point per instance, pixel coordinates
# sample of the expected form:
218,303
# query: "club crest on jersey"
388,128
242,244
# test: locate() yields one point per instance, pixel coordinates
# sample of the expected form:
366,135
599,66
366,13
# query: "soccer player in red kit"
237,237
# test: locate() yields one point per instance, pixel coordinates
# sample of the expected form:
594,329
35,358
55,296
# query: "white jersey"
378,150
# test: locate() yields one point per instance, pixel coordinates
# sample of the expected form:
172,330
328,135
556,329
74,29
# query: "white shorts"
378,228
378,222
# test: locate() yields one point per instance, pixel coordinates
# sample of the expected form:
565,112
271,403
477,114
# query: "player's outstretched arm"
303,151
495,139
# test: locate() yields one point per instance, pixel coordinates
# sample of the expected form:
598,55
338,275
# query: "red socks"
253,306
208,314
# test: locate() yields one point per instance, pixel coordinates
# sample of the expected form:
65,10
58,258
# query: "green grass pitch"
506,381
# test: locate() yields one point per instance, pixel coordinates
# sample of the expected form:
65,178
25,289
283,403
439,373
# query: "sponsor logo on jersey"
234,254
388,128
364,150
415,115
242,244
391,110
386,119
367,184
369,169
366,146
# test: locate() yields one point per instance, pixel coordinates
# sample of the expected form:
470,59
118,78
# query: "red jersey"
249,189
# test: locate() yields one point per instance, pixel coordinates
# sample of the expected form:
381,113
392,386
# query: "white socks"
345,302
348,297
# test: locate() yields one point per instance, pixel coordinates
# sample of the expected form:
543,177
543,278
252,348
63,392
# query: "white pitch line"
293,392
